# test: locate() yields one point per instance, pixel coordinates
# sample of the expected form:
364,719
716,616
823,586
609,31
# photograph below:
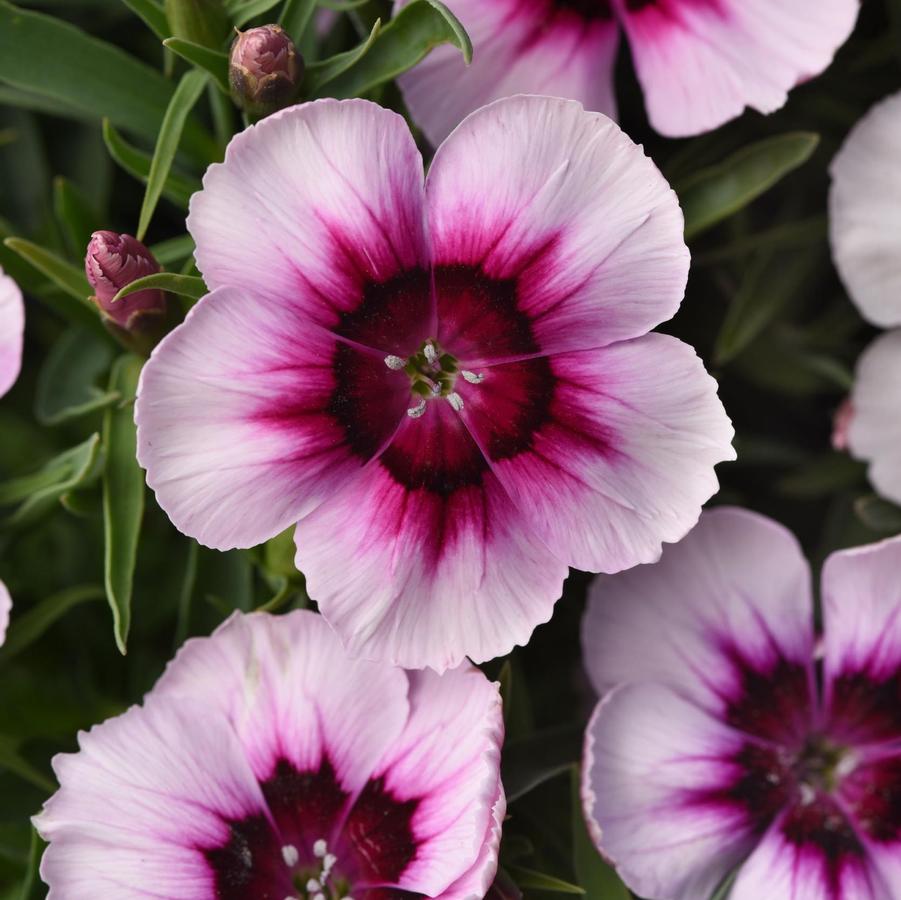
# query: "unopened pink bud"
114,261
264,69
841,425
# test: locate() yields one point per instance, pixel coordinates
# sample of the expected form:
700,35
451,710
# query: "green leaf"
321,73
152,14
295,17
123,496
185,285
42,490
723,891
186,95
13,761
67,383
531,761
177,188
66,277
174,250
403,42
186,594
878,514
538,881
242,11
87,76
598,879
74,213
31,886
720,191
770,282
30,626
211,61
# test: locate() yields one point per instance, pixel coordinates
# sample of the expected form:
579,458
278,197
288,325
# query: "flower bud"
264,70
113,261
203,22
841,425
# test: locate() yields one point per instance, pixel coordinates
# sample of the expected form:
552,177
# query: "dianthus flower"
447,382
12,327
730,736
266,765
700,62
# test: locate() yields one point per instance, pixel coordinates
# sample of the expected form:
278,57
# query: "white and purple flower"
726,739
266,765
12,329
700,62
447,382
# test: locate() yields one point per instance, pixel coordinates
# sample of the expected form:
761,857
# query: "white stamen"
455,400
290,855
313,885
808,794
327,863
472,377
320,848
414,412
395,362
431,354
318,896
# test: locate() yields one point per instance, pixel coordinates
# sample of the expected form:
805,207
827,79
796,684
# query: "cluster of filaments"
321,884
432,374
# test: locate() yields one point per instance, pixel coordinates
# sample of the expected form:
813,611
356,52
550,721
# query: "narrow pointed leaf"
538,881
123,496
296,16
176,188
321,73
74,214
186,95
185,285
531,761
32,887
211,61
174,250
720,191
13,761
152,14
242,11
403,42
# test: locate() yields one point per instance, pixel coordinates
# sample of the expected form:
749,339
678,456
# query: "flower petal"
150,794
320,207
6,604
561,219
701,62
862,642
443,565
607,454
674,798
447,762
725,617
810,853
865,213
519,47
12,327
874,433
249,416
294,697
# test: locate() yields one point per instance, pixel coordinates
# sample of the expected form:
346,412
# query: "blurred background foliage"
83,96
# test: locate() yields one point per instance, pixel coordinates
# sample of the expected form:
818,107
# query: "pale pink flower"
700,62
730,736
265,759
12,330
447,382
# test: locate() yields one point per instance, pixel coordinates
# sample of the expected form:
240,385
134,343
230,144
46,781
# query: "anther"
290,855
313,885
327,863
395,363
320,848
455,400
431,354
414,412
472,377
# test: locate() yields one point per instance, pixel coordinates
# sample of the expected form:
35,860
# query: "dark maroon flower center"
312,844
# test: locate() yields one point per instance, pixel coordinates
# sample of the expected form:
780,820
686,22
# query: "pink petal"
519,47
701,62
12,328
249,416
673,798
443,565
810,853
865,213
725,617
446,760
607,454
874,434
862,642
138,806
564,227
315,206
6,604
293,696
